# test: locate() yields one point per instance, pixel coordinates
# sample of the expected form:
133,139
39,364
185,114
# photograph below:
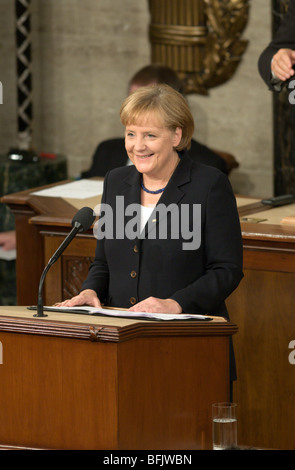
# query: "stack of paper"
126,313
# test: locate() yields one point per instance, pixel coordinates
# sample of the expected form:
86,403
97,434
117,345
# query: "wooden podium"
262,307
79,382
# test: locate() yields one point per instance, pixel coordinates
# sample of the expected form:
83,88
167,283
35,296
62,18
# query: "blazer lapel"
131,191
172,195
130,208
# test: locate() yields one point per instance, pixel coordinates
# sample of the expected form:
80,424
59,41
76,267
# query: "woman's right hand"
86,297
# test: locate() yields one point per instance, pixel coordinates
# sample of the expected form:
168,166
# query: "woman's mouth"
143,157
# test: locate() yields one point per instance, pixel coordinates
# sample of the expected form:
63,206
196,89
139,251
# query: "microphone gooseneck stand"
81,223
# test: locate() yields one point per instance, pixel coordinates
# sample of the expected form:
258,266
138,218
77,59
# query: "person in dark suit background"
111,153
276,62
178,272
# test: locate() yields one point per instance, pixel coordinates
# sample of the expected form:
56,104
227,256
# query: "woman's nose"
139,143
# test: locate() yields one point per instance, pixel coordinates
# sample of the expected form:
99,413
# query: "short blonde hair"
160,101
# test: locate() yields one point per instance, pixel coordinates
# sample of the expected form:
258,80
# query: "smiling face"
150,146
158,123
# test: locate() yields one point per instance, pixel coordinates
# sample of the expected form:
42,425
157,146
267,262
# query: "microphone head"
83,219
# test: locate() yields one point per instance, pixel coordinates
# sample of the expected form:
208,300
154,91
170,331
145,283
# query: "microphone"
81,222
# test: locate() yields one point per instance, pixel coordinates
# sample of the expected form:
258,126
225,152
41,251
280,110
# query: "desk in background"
263,309
18,176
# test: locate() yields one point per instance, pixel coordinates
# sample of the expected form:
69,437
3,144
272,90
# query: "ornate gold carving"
200,39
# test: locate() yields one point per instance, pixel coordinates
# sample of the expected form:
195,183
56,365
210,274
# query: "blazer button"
133,274
135,249
132,300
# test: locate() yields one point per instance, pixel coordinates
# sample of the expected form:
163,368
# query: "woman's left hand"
154,305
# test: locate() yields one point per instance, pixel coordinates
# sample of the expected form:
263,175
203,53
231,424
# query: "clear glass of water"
224,417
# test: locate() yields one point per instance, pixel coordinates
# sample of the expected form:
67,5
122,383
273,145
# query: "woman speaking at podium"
186,252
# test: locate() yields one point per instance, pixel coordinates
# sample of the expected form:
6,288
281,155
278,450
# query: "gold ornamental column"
199,39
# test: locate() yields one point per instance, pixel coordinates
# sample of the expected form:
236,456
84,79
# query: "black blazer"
111,154
284,38
126,271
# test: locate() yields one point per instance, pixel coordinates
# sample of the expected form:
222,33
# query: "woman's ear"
177,137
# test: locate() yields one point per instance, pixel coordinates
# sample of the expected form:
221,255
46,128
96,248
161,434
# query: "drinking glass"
224,417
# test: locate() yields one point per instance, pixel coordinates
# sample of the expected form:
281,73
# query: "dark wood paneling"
263,309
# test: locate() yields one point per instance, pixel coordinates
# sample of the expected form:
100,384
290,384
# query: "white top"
145,214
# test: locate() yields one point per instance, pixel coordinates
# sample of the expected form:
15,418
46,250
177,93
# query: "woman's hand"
86,297
154,305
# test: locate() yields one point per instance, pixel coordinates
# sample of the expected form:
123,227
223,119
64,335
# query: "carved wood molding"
94,332
74,271
199,39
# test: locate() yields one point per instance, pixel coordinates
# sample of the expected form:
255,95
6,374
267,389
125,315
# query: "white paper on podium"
126,313
80,189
